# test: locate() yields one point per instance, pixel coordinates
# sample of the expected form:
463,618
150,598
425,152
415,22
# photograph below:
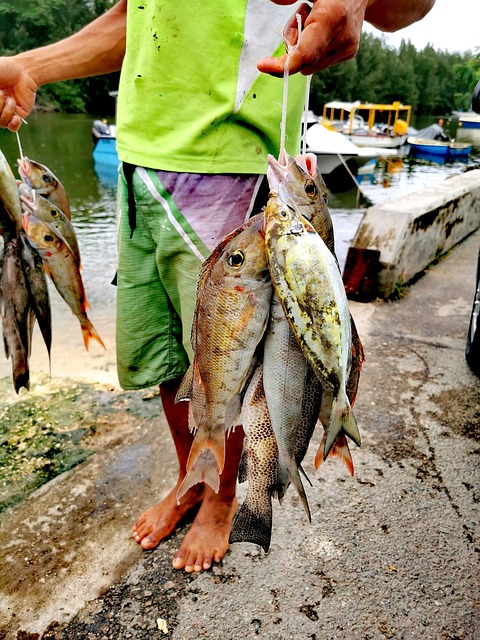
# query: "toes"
150,542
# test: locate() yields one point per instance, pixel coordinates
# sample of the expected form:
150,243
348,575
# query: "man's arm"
95,50
331,30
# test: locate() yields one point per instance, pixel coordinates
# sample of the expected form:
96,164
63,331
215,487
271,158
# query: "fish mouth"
23,169
278,170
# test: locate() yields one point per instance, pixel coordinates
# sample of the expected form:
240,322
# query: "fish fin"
339,450
302,470
185,389
282,479
88,332
214,441
232,412
253,526
341,419
243,467
204,469
294,476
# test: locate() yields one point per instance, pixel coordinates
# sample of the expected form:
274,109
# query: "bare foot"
161,520
207,539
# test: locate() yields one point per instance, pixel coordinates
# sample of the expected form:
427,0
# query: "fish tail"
253,526
294,476
341,419
204,469
214,441
205,462
88,332
282,479
339,450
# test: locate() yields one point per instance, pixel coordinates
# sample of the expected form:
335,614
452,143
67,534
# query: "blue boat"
104,152
447,150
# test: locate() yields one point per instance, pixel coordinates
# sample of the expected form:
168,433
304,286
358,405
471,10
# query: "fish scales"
284,378
63,269
231,313
16,319
253,521
308,282
298,179
40,178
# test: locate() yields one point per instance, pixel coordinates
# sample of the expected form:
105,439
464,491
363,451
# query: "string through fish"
20,150
305,115
290,50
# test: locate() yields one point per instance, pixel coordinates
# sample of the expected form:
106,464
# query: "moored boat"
369,124
104,152
338,159
448,149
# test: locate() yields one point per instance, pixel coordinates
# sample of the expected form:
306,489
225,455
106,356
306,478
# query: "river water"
63,143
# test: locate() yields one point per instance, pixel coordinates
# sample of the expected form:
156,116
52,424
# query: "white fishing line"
19,145
290,50
305,115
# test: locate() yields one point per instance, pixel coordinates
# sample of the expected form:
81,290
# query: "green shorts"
179,219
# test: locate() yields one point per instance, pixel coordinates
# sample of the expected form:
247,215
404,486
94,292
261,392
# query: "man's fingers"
7,110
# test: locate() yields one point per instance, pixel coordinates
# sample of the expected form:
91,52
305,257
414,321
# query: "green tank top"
190,96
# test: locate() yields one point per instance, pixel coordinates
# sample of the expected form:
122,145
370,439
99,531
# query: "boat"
468,128
338,159
369,124
434,142
105,158
450,149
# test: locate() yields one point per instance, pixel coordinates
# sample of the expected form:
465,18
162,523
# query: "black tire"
472,349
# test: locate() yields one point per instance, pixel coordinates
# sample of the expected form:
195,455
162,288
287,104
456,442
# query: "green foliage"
27,24
431,81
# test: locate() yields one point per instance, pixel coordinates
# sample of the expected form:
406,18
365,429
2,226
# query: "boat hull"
376,140
447,150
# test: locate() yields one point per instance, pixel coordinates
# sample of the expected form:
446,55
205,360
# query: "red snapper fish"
61,265
44,182
231,313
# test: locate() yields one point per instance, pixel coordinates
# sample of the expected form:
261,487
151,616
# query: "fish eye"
54,213
46,178
236,259
282,213
48,238
311,189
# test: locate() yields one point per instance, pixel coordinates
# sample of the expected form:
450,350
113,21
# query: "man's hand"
17,93
330,34
331,30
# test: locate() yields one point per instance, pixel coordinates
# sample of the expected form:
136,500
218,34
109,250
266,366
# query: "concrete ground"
390,553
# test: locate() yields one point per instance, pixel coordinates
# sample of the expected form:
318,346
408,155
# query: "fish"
62,267
52,215
298,179
231,314
284,379
16,318
36,283
40,178
253,521
308,283
9,197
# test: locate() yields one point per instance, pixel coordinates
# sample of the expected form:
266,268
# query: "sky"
449,26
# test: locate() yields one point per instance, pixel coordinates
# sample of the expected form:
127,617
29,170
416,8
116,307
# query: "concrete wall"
397,240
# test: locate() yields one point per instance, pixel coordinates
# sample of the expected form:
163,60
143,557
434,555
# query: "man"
195,122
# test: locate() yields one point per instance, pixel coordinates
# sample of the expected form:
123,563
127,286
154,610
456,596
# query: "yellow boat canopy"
398,114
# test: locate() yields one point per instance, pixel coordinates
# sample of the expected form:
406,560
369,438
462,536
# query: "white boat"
339,159
468,129
369,124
